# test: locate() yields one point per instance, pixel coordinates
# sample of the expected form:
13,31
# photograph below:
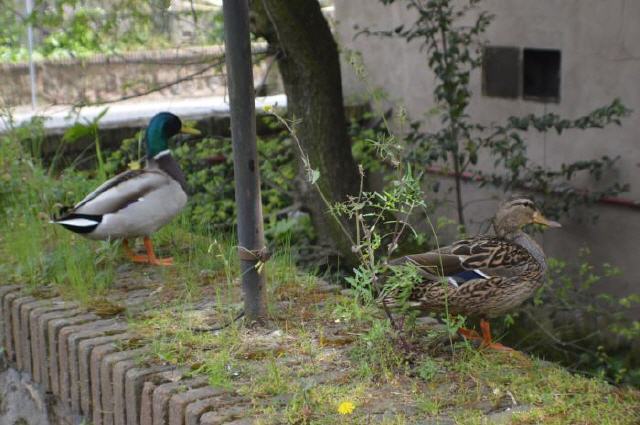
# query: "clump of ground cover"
323,348
325,358
34,252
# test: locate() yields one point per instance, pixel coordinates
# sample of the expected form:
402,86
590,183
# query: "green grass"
466,386
169,334
376,353
35,252
38,253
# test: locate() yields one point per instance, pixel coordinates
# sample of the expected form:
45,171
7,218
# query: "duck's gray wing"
120,191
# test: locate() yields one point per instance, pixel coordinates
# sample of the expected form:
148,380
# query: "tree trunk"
310,67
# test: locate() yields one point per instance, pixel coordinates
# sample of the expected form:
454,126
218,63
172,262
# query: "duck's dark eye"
172,127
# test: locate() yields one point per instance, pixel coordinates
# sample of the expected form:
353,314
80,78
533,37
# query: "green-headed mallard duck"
136,202
484,276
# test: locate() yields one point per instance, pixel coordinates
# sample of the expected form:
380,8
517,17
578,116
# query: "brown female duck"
484,276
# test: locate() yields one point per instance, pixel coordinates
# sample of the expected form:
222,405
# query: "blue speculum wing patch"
460,278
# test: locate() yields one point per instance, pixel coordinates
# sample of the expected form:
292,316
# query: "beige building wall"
600,45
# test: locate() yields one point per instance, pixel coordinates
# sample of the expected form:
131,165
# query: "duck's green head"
162,127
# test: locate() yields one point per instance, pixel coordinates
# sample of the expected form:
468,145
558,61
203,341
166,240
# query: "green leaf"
76,132
314,175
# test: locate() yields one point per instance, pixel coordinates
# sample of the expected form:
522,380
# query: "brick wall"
105,78
70,366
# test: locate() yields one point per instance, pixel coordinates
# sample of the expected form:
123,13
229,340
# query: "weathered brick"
162,394
55,305
119,401
146,403
42,341
97,355
53,329
146,395
137,300
107,382
17,329
178,402
27,337
138,293
85,349
8,324
233,414
75,366
133,382
5,290
196,409
64,364
242,421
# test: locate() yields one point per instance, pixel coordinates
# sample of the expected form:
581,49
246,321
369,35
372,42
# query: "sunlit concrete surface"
132,114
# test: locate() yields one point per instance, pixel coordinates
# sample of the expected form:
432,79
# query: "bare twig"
309,170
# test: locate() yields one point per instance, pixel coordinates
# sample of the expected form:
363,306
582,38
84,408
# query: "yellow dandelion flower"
346,408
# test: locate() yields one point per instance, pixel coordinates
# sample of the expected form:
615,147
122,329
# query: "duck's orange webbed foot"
136,258
469,334
152,259
487,341
161,261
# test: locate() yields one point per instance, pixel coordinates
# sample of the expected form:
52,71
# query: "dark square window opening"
541,75
501,72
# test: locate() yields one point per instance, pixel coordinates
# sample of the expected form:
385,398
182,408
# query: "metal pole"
32,69
245,155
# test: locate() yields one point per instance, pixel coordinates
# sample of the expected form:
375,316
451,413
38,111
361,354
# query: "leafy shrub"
450,33
572,321
75,28
568,323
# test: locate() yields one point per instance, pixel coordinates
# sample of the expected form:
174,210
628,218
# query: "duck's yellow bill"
540,219
190,130
135,165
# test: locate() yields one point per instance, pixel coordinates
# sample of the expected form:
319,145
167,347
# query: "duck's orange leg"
132,255
487,341
469,334
152,259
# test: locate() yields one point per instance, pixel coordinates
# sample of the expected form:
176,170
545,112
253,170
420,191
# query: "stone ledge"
79,367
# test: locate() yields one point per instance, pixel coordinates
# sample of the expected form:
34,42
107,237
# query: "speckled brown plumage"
506,268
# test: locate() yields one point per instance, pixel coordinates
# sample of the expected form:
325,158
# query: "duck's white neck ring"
162,153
